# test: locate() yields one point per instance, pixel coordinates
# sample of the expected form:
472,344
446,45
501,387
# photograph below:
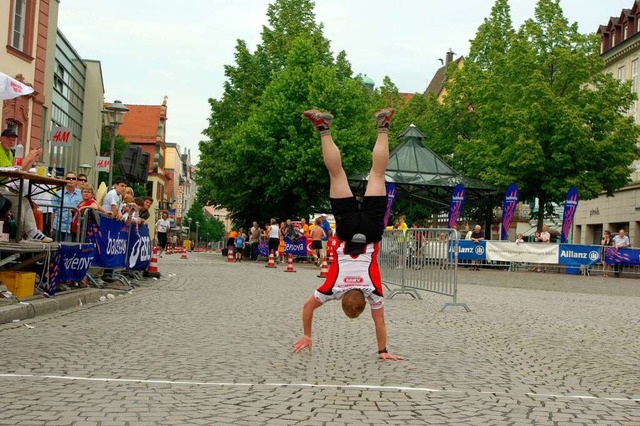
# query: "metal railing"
421,260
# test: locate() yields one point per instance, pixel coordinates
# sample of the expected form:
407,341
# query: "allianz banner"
578,255
468,250
507,251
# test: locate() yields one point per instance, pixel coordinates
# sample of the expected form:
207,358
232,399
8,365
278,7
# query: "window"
613,38
625,31
19,24
621,73
602,47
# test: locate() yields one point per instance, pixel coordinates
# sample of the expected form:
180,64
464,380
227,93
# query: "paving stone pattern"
210,343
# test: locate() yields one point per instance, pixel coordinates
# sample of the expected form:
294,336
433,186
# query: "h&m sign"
61,136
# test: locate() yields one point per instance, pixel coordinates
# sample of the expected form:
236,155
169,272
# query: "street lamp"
197,228
114,116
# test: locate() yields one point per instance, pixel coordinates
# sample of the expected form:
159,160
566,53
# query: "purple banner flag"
457,199
391,196
509,209
570,206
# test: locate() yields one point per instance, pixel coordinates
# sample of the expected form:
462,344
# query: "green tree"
262,158
209,229
534,107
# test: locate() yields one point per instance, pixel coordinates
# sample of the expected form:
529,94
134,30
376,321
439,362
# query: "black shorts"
353,217
162,240
316,245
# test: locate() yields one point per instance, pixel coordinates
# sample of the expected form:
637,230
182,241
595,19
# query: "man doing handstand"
355,277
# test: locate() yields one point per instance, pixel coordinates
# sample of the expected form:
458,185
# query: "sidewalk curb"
31,308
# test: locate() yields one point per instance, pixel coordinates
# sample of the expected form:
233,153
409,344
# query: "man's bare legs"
380,155
339,185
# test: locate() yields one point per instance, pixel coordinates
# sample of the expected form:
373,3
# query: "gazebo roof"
419,172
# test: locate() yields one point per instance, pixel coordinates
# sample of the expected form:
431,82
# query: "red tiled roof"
406,96
141,123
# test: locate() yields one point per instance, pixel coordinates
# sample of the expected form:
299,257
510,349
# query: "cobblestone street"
210,343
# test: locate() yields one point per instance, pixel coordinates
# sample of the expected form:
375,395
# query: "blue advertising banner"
570,206
468,250
70,263
391,196
623,256
578,255
508,209
110,239
457,199
139,252
263,248
297,248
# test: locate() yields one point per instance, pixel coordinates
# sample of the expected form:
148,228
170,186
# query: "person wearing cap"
354,278
8,140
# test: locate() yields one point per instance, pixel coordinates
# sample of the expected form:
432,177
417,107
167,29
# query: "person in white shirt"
112,202
162,229
619,241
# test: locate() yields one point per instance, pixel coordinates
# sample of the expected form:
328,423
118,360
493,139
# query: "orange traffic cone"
152,270
184,254
290,264
230,255
324,269
272,261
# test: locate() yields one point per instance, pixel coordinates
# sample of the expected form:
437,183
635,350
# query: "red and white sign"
103,164
61,136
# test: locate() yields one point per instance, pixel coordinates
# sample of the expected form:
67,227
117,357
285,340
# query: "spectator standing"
317,233
82,179
304,228
240,240
545,236
162,229
254,240
477,236
273,233
144,211
607,241
71,197
113,200
326,226
620,241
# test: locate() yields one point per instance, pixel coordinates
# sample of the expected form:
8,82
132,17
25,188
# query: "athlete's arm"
381,335
307,320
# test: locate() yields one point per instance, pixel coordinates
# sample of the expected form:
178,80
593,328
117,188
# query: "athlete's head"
353,303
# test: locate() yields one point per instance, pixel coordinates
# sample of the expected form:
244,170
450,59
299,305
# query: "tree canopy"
262,159
533,107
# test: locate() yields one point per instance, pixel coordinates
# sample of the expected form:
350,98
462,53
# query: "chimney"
449,57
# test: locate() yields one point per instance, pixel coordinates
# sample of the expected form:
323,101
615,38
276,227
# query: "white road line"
308,385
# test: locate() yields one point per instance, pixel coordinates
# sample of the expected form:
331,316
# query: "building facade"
30,26
620,50
145,126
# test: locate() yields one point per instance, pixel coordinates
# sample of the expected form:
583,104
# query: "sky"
152,48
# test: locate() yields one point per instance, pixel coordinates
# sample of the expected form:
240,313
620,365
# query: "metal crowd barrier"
421,260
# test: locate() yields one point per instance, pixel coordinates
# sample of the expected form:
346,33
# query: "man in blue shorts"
354,278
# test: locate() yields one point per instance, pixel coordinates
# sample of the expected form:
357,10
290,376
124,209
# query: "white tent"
11,88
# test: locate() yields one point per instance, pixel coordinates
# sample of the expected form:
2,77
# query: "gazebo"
423,176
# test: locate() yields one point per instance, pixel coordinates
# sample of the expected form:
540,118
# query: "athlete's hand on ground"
303,342
391,357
